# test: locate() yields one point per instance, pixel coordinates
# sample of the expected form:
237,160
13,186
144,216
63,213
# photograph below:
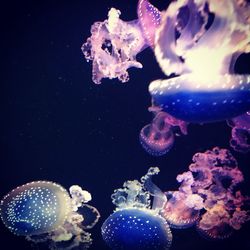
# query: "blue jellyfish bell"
45,212
135,225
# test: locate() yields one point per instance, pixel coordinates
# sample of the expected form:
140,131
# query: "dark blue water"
57,125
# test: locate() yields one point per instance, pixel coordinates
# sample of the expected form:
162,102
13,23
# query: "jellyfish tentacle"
193,29
95,214
164,50
183,207
159,197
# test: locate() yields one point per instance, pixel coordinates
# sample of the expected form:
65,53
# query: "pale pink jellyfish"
157,138
183,207
114,43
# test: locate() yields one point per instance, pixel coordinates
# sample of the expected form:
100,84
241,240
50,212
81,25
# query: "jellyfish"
196,44
224,206
135,224
208,196
157,138
44,212
183,207
240,132
199,42
114,44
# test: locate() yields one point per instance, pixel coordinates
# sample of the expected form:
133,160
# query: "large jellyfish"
208,196
45,212
196,44
135,225
200,42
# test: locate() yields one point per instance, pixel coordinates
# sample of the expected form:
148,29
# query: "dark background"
57,125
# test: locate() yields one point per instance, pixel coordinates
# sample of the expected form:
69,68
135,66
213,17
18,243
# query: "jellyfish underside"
205,66
220,231
179,215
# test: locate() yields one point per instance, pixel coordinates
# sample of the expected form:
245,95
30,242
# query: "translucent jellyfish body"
45,212
134,225
182,210
208,196
200,41
157,138
114,43
112,47
179,212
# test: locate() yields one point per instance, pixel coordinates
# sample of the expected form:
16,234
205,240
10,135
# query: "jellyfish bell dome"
178,214
199,42
45,212
135,225
218,232
134,229
158,137
35,208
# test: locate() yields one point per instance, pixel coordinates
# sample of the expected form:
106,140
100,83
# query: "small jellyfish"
177,212
212,225
135,225
44,212
158,137
182,210
223,215
113,47
240,133
199,42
